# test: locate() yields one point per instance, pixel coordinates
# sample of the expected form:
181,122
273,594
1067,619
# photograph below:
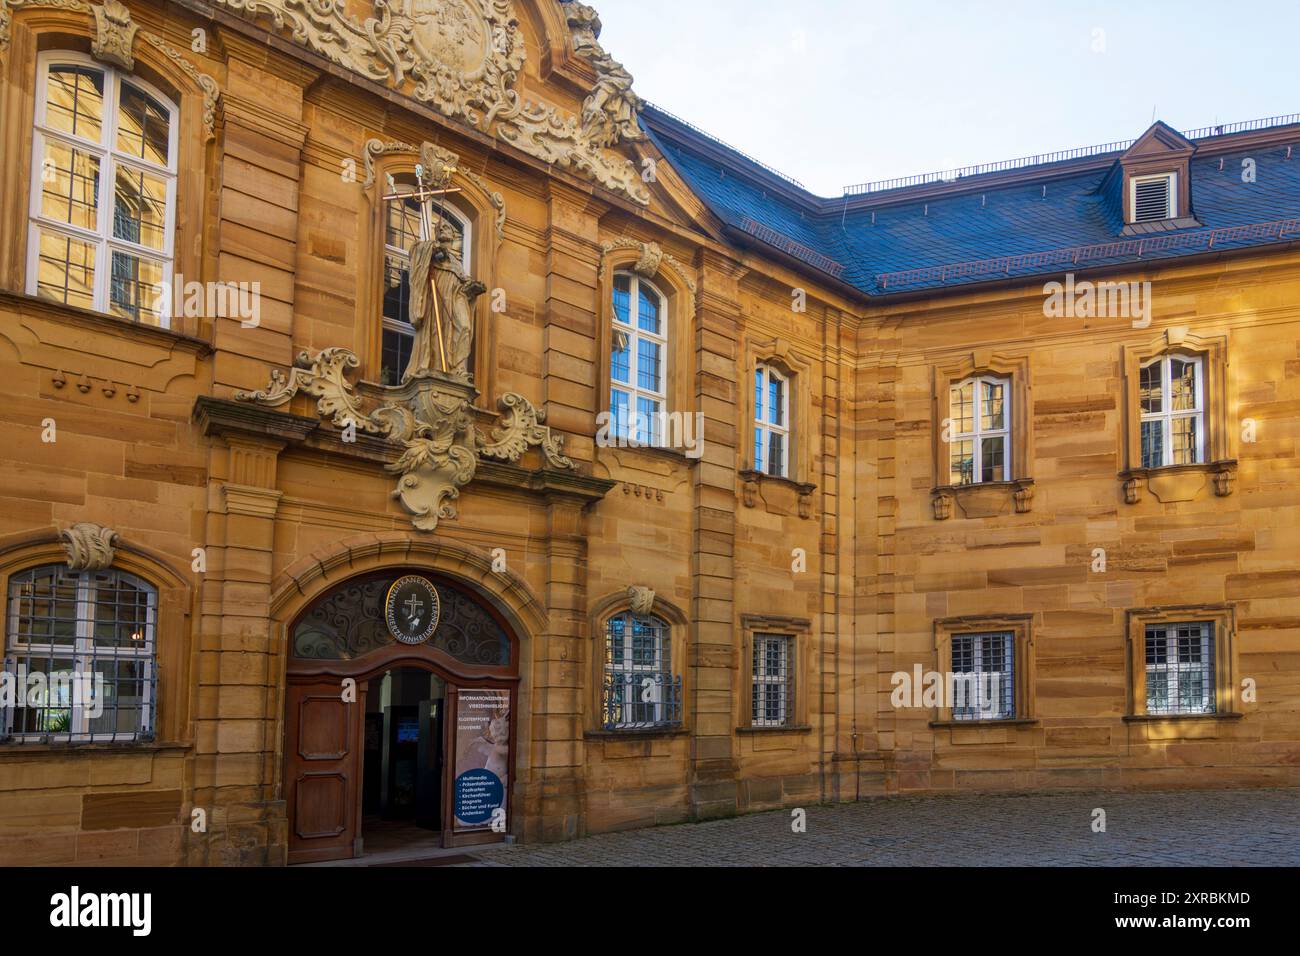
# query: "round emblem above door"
411,609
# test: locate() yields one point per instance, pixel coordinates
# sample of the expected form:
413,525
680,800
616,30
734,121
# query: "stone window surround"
984,499
1023,667
1223,618
799,629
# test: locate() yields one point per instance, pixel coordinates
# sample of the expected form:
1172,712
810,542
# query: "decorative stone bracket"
986,499
90,546
430,416
1179,482
751,482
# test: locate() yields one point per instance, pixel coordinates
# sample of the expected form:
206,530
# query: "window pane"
991,459
620,357
1149,389
397,347
1182,384
758,449
646,426
45,602
1153,444
962,407
69,185
136,288
1184,441
122,696
618,407
140,208
648,311
647,365
760,413
776,457
403,227
991,412
74,101
622,299
66,270
397,287
142,126
961,462
776,400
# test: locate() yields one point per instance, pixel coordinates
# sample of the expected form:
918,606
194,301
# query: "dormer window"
1153,198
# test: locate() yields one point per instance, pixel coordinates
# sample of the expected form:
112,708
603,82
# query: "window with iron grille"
639,690
773,687
80,649
1180,668
983,668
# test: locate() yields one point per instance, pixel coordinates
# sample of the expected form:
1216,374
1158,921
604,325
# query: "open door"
322,770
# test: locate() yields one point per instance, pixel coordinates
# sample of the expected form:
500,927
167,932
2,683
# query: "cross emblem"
413,607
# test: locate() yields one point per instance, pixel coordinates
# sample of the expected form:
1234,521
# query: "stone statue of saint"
444,332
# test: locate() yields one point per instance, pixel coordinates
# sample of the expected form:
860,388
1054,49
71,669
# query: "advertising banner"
482,759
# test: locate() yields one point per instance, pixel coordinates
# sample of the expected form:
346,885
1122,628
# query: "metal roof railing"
739,152
951,175
790,246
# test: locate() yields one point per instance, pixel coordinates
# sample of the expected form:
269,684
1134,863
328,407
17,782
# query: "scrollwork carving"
90,546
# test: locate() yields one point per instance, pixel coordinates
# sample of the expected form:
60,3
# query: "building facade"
316,320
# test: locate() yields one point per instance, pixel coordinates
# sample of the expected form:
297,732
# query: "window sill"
1007,722
984,499
18,750
779,729
632,732
654,451
1152,718
1150,226
62,312
752,482
1179,482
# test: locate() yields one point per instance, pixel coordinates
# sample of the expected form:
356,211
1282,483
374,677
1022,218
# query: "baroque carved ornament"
90,546
114,41
464,57
447,159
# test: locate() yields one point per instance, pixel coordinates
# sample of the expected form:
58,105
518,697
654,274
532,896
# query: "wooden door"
322,770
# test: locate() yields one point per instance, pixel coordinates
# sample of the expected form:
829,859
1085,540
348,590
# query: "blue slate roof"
1054,223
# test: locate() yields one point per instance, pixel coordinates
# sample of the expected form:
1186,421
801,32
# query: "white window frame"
764,426
109,159
1174,667
783,679
1167,413
976,436
1171,209
630,674
82,653
634,334
432,210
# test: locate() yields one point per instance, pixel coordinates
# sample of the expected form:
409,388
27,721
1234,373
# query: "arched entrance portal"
400,701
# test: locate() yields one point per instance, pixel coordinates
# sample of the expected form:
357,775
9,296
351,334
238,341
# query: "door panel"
321,770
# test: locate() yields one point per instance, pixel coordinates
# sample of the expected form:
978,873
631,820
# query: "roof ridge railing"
740,152
951,175
1074,255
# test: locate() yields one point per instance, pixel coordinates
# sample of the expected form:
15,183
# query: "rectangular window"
1180,668
983,676
638,362
771,422
1171,395
773,686
978,430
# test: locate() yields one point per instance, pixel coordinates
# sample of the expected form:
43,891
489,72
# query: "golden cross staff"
430,228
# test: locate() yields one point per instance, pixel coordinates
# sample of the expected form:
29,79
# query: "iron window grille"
772,703
983,668
640,690
80,651
1180,668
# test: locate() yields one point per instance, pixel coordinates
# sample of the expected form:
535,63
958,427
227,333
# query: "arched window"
639,689
638,362
406,221
103,196
980,430
771,422
1171,389
81,646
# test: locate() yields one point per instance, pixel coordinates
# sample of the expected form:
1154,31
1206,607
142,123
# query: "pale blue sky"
835,92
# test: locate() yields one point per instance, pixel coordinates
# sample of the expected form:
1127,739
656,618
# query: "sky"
834,92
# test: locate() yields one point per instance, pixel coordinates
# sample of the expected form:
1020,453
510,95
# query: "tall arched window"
82,648
103,194
980,430
771,422
638,361
406,221
1171,389
639,690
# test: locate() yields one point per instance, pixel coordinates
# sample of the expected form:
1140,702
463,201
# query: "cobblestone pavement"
1208,828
